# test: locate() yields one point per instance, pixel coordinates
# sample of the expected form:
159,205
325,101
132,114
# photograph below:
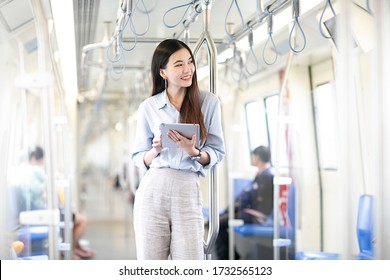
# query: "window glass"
255,125
325,122
280,146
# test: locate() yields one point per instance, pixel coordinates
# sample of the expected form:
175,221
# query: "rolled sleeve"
138,160
143,140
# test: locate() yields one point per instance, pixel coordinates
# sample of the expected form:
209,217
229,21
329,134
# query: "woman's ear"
162,74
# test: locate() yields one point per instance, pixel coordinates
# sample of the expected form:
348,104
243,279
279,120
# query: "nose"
187,68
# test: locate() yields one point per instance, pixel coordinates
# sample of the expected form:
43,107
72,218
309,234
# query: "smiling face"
179,70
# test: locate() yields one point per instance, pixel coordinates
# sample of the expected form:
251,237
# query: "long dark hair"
190,111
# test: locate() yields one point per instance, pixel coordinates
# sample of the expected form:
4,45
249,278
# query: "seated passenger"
30,182
253,205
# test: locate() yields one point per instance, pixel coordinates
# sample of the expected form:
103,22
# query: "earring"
166,83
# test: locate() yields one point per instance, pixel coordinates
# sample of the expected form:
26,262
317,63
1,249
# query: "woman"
168,218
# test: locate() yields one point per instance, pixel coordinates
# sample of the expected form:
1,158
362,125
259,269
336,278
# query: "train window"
255,125
325,123
272,110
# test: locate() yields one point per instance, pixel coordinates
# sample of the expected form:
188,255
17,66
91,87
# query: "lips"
187,77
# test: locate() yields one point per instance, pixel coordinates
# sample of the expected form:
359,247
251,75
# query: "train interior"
309,79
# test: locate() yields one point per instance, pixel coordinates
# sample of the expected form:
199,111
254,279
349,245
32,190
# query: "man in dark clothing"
253,205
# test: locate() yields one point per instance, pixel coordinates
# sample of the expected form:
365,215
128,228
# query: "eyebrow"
181,61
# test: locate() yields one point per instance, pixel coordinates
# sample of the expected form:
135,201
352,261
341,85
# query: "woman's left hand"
181,141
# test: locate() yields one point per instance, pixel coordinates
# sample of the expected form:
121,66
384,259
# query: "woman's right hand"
154,151
157,144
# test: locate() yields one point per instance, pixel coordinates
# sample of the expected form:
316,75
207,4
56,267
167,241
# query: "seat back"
267,229
255,241
365,224
240,184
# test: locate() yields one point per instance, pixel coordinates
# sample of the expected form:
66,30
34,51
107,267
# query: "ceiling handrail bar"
259,18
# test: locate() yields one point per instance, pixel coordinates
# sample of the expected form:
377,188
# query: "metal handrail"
46,102
46,56
260,16
278,175
205,37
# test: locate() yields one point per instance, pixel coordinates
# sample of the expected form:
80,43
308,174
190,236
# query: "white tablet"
185,129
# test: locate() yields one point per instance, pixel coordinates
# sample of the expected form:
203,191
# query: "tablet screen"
185,129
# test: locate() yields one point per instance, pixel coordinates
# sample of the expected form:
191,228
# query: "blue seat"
239,184
364,230
253,240
267,229
35,238
313,255
365,227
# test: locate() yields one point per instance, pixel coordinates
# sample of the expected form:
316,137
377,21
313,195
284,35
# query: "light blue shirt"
156,110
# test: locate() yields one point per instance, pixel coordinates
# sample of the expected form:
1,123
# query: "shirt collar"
262,170
162,99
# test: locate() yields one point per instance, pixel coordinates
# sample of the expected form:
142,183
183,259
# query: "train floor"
109,232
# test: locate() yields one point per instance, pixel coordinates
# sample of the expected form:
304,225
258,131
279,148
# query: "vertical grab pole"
213,178
279,179
47,102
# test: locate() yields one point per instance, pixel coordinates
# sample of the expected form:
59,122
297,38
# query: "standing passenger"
168,218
